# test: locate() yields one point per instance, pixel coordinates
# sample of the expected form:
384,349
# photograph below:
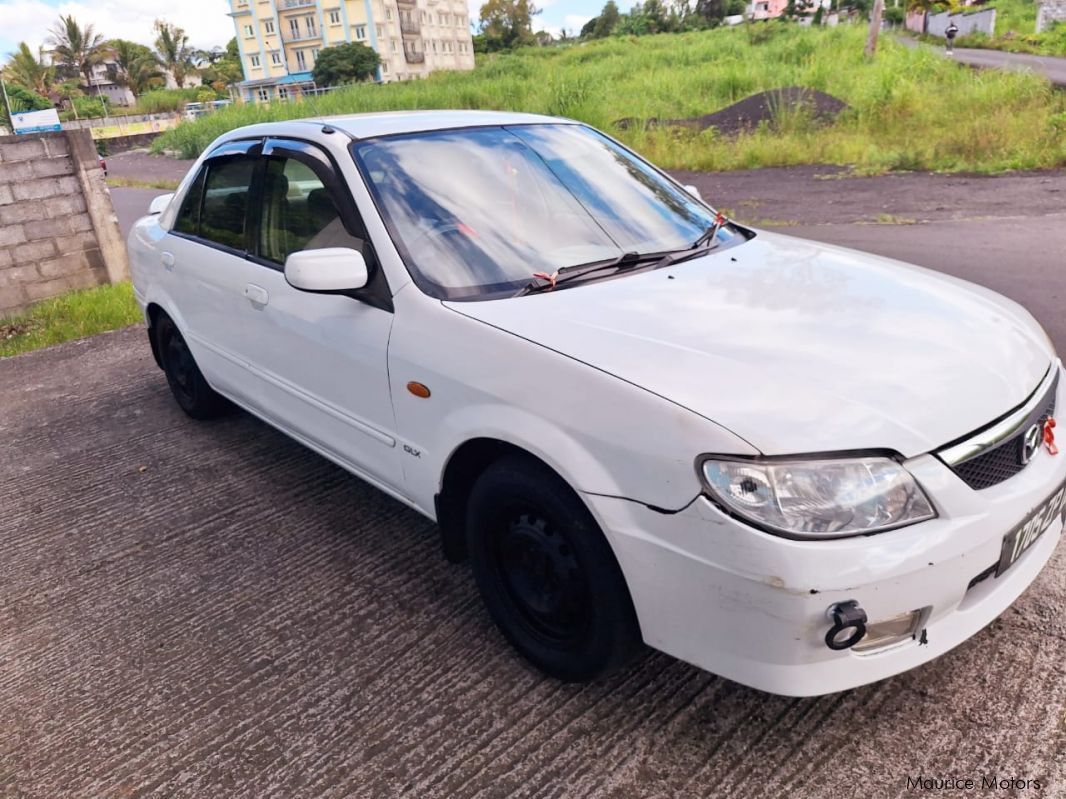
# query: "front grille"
1002,461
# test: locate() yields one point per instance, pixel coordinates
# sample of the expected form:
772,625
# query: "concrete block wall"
969,22
57,227
1049,12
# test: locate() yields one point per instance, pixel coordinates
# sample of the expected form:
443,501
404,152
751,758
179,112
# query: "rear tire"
546,574
187,383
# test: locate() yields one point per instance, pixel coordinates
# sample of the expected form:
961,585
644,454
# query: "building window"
294,27
254,61
393,43
388,13
334,17
268,26
314,55
360,32
264,95
423,16
248,31
275,58
381,33
283,93
309,23
384,67
434,45
301,59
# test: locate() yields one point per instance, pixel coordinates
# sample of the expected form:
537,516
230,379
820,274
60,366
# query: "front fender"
601,434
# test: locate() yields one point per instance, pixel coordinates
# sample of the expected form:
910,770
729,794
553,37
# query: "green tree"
506,24
172,47
223,68
29,70
21,99
76,51
345,63
134,66
711,11
606,22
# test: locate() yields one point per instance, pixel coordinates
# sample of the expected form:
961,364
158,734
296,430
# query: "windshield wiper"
710,234
544,282
708,240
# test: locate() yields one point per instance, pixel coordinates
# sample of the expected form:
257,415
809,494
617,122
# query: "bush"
91,107
160,101
21,99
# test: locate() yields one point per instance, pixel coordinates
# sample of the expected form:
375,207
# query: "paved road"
193,610
1054,69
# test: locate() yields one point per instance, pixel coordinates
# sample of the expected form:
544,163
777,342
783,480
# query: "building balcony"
412,26
406,3
412,57
301,36
286,5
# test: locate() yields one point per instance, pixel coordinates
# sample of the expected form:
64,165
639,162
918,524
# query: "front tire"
187,383
546,574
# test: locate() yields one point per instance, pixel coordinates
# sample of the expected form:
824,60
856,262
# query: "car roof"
362,126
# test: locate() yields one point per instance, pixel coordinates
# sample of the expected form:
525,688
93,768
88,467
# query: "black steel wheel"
547,575
187,383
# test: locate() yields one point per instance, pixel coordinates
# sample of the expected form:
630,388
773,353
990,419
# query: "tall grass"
909,109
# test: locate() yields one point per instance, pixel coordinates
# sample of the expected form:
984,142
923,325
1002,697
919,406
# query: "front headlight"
827,498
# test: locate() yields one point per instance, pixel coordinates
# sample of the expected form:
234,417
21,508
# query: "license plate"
1018,540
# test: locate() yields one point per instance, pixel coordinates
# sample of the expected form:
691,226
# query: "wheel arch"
152,313
462,468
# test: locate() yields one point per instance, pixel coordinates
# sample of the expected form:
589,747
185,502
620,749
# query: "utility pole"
875,27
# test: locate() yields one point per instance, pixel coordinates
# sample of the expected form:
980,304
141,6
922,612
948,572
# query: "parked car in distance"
797,466
196,109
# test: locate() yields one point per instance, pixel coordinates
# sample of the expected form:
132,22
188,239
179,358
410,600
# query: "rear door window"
225,201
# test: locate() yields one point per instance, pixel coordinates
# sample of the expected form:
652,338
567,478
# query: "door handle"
256,295
168,261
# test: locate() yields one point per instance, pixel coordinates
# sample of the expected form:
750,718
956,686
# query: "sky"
204,20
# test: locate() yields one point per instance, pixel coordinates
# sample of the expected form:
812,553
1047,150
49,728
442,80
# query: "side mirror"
159,204
329,269
693,191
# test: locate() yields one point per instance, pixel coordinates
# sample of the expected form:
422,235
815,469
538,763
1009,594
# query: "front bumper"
752,607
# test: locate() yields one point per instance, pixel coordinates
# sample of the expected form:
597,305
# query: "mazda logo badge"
1030,443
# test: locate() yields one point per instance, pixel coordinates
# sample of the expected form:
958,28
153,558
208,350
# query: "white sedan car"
794,465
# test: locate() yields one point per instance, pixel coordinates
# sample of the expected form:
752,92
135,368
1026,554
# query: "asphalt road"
1054,69
1051,67
210,610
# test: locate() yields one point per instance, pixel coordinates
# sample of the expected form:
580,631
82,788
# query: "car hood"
798,347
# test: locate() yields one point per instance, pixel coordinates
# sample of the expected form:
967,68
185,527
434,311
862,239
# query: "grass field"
910,109
70,316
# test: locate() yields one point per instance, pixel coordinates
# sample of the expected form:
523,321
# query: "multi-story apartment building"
279,40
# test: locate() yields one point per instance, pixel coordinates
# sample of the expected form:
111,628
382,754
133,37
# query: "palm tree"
29,70
77,50
135,66
172,46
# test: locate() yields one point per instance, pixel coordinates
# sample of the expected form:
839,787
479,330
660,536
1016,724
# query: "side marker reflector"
418,389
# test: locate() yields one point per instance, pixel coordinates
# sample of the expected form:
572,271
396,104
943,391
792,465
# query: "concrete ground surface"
209,610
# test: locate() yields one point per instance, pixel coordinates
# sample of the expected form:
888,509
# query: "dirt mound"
761,107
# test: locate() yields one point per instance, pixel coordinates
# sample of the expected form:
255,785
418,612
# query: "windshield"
476,212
